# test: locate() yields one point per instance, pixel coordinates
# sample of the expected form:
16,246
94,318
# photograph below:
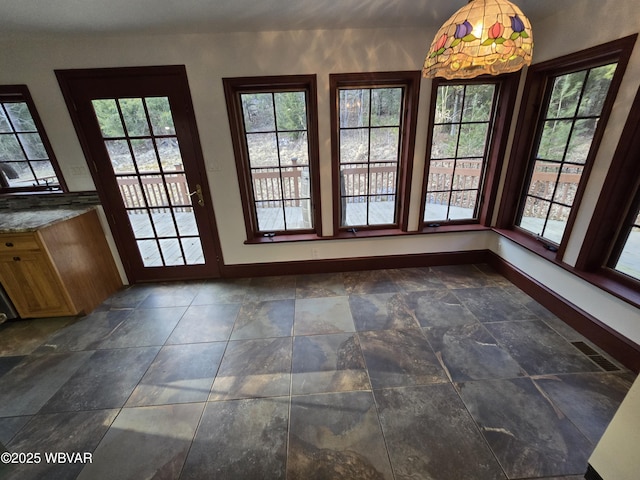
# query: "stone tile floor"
427,373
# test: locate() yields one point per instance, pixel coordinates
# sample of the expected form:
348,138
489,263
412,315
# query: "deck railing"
151,191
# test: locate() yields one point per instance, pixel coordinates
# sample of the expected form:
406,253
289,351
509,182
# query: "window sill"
343,235
283,238
27,192
602,279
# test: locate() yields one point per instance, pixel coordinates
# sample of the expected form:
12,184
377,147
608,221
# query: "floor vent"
595,357
605,364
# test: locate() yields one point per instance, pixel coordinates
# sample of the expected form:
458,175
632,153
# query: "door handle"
198,192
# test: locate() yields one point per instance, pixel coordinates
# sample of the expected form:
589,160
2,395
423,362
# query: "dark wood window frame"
21,93
410,81
535,89
496,148
233,88
610,219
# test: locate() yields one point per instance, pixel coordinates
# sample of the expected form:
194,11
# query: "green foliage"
135,116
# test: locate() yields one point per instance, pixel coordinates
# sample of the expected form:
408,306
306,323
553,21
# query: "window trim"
21,92
508,88
233,88
535,88
410,81
614,207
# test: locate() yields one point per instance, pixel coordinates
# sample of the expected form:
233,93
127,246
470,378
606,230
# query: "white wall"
210,57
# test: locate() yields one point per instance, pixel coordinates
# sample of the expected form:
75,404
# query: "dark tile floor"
429,373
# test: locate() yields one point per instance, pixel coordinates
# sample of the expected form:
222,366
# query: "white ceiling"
203,16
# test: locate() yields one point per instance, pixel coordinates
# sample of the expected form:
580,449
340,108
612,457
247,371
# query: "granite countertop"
29,220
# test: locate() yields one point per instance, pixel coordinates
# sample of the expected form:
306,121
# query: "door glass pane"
163,222
131,191
150,253
108,118
134,116
157,200
177,188
192,248
186,221
140,223
145,155
171,251
160,116
120,156
170,156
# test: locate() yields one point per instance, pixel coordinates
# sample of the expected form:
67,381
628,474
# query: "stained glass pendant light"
483,37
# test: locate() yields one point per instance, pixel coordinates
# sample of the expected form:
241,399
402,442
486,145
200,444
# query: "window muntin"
460,143
26,160
274,131
564,137
370,136
373,117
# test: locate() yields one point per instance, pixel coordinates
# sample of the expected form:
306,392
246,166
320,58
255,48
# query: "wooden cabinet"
62,269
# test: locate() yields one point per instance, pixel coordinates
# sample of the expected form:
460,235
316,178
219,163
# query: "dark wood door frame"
158,80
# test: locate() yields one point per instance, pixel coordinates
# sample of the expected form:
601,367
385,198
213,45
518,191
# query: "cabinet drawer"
13,243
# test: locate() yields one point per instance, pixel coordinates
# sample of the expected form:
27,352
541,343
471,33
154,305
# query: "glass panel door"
144,152
139,134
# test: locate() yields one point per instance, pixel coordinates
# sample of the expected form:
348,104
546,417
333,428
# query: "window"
373,132
567,101
465,145
626,254
274,129
567,130
610,253
27,162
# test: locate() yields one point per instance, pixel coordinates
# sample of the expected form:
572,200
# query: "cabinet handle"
16,259
9,244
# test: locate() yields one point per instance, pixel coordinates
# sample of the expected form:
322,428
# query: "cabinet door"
33,285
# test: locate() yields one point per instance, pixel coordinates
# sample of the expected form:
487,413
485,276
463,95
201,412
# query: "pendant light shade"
483,37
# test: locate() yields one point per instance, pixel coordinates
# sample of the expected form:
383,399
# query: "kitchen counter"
22,221
55,261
